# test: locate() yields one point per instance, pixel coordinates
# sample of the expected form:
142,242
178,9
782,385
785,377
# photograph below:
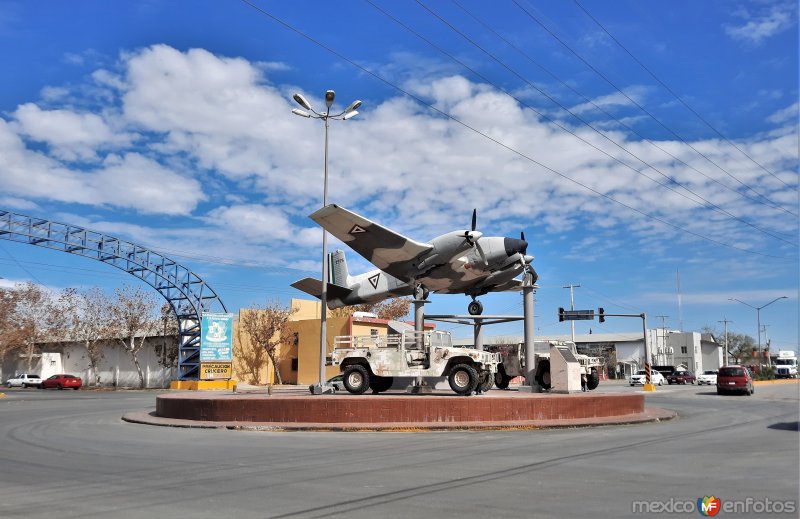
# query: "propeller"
472,236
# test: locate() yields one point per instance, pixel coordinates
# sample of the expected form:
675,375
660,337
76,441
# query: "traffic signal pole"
573,315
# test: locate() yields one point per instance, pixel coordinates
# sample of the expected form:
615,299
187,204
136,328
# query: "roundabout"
387,412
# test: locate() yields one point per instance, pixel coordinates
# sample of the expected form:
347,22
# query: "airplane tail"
339,285
340,275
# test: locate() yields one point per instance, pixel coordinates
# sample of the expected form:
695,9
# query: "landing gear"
475,307
421,292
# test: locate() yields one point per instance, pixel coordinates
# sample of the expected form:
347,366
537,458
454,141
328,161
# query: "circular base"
496,408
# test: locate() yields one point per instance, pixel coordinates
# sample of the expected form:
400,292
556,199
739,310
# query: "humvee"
513,363
372,361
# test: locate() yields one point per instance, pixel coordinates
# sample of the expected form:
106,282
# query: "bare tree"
89,321
391,309
167,351
9,333
134,318
36,317
264,327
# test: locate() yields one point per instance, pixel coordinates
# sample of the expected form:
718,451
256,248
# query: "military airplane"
458,262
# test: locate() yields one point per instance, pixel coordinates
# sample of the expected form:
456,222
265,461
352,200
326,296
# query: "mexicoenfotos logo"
709,505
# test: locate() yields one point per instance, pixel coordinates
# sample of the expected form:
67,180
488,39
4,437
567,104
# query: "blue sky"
629,140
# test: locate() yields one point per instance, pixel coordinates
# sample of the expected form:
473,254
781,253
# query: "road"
67,454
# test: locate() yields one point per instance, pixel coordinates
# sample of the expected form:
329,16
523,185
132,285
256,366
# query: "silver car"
24,380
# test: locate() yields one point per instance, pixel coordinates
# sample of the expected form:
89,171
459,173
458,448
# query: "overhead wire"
616,119
676,96
633,101
520,154
562,127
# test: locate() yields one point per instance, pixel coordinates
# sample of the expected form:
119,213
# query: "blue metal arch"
188,295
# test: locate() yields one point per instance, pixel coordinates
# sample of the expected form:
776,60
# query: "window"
296,339
684,350
373,331
294,364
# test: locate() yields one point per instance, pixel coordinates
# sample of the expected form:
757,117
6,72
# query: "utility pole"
663,335
571,288
726,321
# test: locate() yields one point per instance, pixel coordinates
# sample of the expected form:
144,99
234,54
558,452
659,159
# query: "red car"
62,381
734,378
680,376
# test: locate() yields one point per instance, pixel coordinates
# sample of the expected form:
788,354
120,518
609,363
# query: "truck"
513,363
372,361
786,364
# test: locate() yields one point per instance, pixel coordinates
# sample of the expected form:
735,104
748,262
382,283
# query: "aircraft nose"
514,246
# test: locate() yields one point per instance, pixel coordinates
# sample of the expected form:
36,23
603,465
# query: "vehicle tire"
76,388
60,387
719,391
543,374
487,383
25,386
501,380
463,379
660,382
380,384
475,308
356,379
593,380
631,385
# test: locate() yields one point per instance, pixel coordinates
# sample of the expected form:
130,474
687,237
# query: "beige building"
298,356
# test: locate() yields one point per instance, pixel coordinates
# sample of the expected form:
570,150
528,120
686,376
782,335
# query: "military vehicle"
372,361
513,364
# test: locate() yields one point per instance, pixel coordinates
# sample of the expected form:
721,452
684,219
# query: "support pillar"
528,291
419,385
648,358
477,330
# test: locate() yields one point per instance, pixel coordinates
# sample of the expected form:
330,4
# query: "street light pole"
348,113
758,319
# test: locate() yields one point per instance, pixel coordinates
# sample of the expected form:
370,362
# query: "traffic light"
601,317
560,314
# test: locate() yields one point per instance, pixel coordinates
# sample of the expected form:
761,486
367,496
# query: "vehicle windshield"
731,372
709,373
785,362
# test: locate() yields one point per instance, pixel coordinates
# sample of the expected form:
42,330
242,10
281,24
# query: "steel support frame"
187,294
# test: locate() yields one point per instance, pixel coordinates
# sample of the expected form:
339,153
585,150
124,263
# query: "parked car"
707,377
62,381
680,376
737,379
24,380
640,378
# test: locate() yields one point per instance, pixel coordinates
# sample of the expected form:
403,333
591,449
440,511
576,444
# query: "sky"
647,149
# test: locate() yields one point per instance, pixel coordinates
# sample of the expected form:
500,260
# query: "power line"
681,101
618,121
562,127
643,109
496,141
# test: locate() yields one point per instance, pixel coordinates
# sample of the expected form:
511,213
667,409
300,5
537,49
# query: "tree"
168,350
36,317
265,328
391,309
9,333
134,318
90,323
740,346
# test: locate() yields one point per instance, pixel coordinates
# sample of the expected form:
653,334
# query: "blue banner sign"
216,338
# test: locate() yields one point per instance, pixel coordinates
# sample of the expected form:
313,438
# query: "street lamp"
758,317
308,112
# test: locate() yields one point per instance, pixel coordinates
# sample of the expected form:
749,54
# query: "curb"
778,381
651,415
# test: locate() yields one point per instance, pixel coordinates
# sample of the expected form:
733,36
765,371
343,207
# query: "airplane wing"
507,286
389,251
313,287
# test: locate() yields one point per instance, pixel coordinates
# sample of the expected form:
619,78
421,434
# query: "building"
624,352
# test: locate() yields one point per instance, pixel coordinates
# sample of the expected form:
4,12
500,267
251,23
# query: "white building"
624,351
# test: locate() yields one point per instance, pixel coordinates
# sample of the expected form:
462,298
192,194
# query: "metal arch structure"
188,295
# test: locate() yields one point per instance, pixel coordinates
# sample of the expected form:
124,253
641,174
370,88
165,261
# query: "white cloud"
212,129
786,115
71,135
757,28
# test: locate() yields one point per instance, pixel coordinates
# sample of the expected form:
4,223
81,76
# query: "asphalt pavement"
68,454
